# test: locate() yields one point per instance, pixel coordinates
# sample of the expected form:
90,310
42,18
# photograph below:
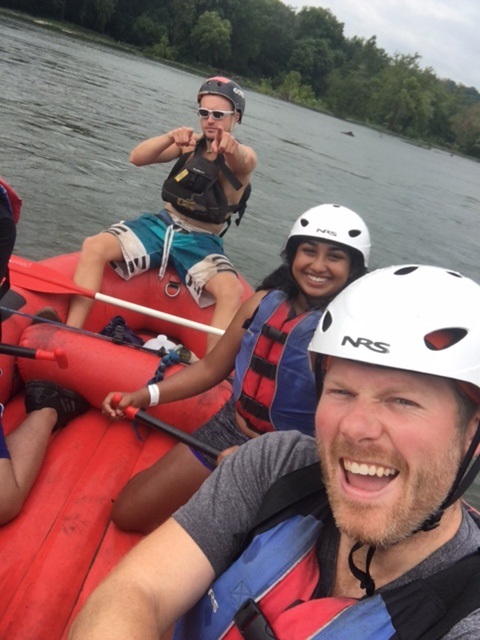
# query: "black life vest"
193,188
10,205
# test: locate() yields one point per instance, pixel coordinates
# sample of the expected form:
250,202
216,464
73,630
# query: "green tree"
276,38
314,60
320,24
95,14
146,32
292,89
351,85
466,127
210,38
400,101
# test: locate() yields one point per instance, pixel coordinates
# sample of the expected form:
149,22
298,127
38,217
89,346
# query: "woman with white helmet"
266,343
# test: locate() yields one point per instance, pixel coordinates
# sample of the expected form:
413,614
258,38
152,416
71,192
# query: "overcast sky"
446,33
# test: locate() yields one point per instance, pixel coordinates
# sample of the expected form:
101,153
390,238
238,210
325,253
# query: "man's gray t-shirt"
229,500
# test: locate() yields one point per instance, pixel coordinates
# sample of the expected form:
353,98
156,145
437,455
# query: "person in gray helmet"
361,533
209,183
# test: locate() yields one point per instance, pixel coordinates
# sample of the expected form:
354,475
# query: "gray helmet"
229,89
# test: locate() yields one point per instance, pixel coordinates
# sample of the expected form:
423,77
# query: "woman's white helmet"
412,317
334,223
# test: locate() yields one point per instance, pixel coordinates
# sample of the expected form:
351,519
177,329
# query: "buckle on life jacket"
254,408
274,334
263,367
251,622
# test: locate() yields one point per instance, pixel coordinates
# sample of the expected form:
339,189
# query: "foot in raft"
67,403
47,314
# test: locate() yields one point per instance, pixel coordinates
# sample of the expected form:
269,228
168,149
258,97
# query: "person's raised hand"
224,142
183,137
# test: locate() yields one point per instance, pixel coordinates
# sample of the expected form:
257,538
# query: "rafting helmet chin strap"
464,478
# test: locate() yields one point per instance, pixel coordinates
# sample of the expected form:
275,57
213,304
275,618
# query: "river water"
71,112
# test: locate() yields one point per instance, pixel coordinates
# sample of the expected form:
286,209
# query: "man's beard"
384,524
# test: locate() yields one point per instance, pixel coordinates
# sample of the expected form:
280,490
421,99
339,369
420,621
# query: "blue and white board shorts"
196,256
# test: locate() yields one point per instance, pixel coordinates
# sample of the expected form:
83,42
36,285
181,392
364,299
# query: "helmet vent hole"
304,222
327,321
454,273
354,233
405,271
444,338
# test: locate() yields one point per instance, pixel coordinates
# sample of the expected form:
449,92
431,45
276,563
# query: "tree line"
300,56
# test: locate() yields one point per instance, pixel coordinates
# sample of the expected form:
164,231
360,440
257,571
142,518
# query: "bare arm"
164,148
241,159
156,583
199,376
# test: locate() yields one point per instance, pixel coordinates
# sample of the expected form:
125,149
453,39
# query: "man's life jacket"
269,590
10,198
10,205
193,187
274,386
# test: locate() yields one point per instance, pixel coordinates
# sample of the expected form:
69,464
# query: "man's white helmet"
334,223
411,317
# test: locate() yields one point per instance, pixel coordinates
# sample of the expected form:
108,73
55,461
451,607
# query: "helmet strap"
366,581
464,478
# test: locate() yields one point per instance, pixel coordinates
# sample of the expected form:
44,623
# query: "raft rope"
83,332
167,359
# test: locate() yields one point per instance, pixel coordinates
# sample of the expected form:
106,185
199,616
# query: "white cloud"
444,32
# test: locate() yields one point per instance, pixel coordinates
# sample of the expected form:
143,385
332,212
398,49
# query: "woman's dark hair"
283,280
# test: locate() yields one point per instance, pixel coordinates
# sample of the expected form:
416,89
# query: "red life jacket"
274,386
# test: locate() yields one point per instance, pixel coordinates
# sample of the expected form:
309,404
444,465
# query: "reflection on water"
71,113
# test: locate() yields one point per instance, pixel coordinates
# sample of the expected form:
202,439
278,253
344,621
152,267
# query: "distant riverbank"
201,70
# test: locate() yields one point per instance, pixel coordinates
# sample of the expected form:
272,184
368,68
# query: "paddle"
38,277
142,416
58,355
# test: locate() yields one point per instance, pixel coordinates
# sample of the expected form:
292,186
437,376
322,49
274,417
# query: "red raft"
63,543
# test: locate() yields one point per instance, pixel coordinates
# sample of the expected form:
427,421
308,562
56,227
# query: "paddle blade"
35,276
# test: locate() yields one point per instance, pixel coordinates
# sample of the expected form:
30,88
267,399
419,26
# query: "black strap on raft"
449,595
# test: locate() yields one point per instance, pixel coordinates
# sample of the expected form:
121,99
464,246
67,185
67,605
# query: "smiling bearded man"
386,424
373,542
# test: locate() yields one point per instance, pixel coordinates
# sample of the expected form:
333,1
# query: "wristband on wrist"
154,392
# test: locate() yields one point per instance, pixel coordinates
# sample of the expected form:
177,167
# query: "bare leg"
27,446
96,252
151,496
227,291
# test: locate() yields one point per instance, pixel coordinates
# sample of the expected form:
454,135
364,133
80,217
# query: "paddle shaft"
36,276
191,324
142,416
